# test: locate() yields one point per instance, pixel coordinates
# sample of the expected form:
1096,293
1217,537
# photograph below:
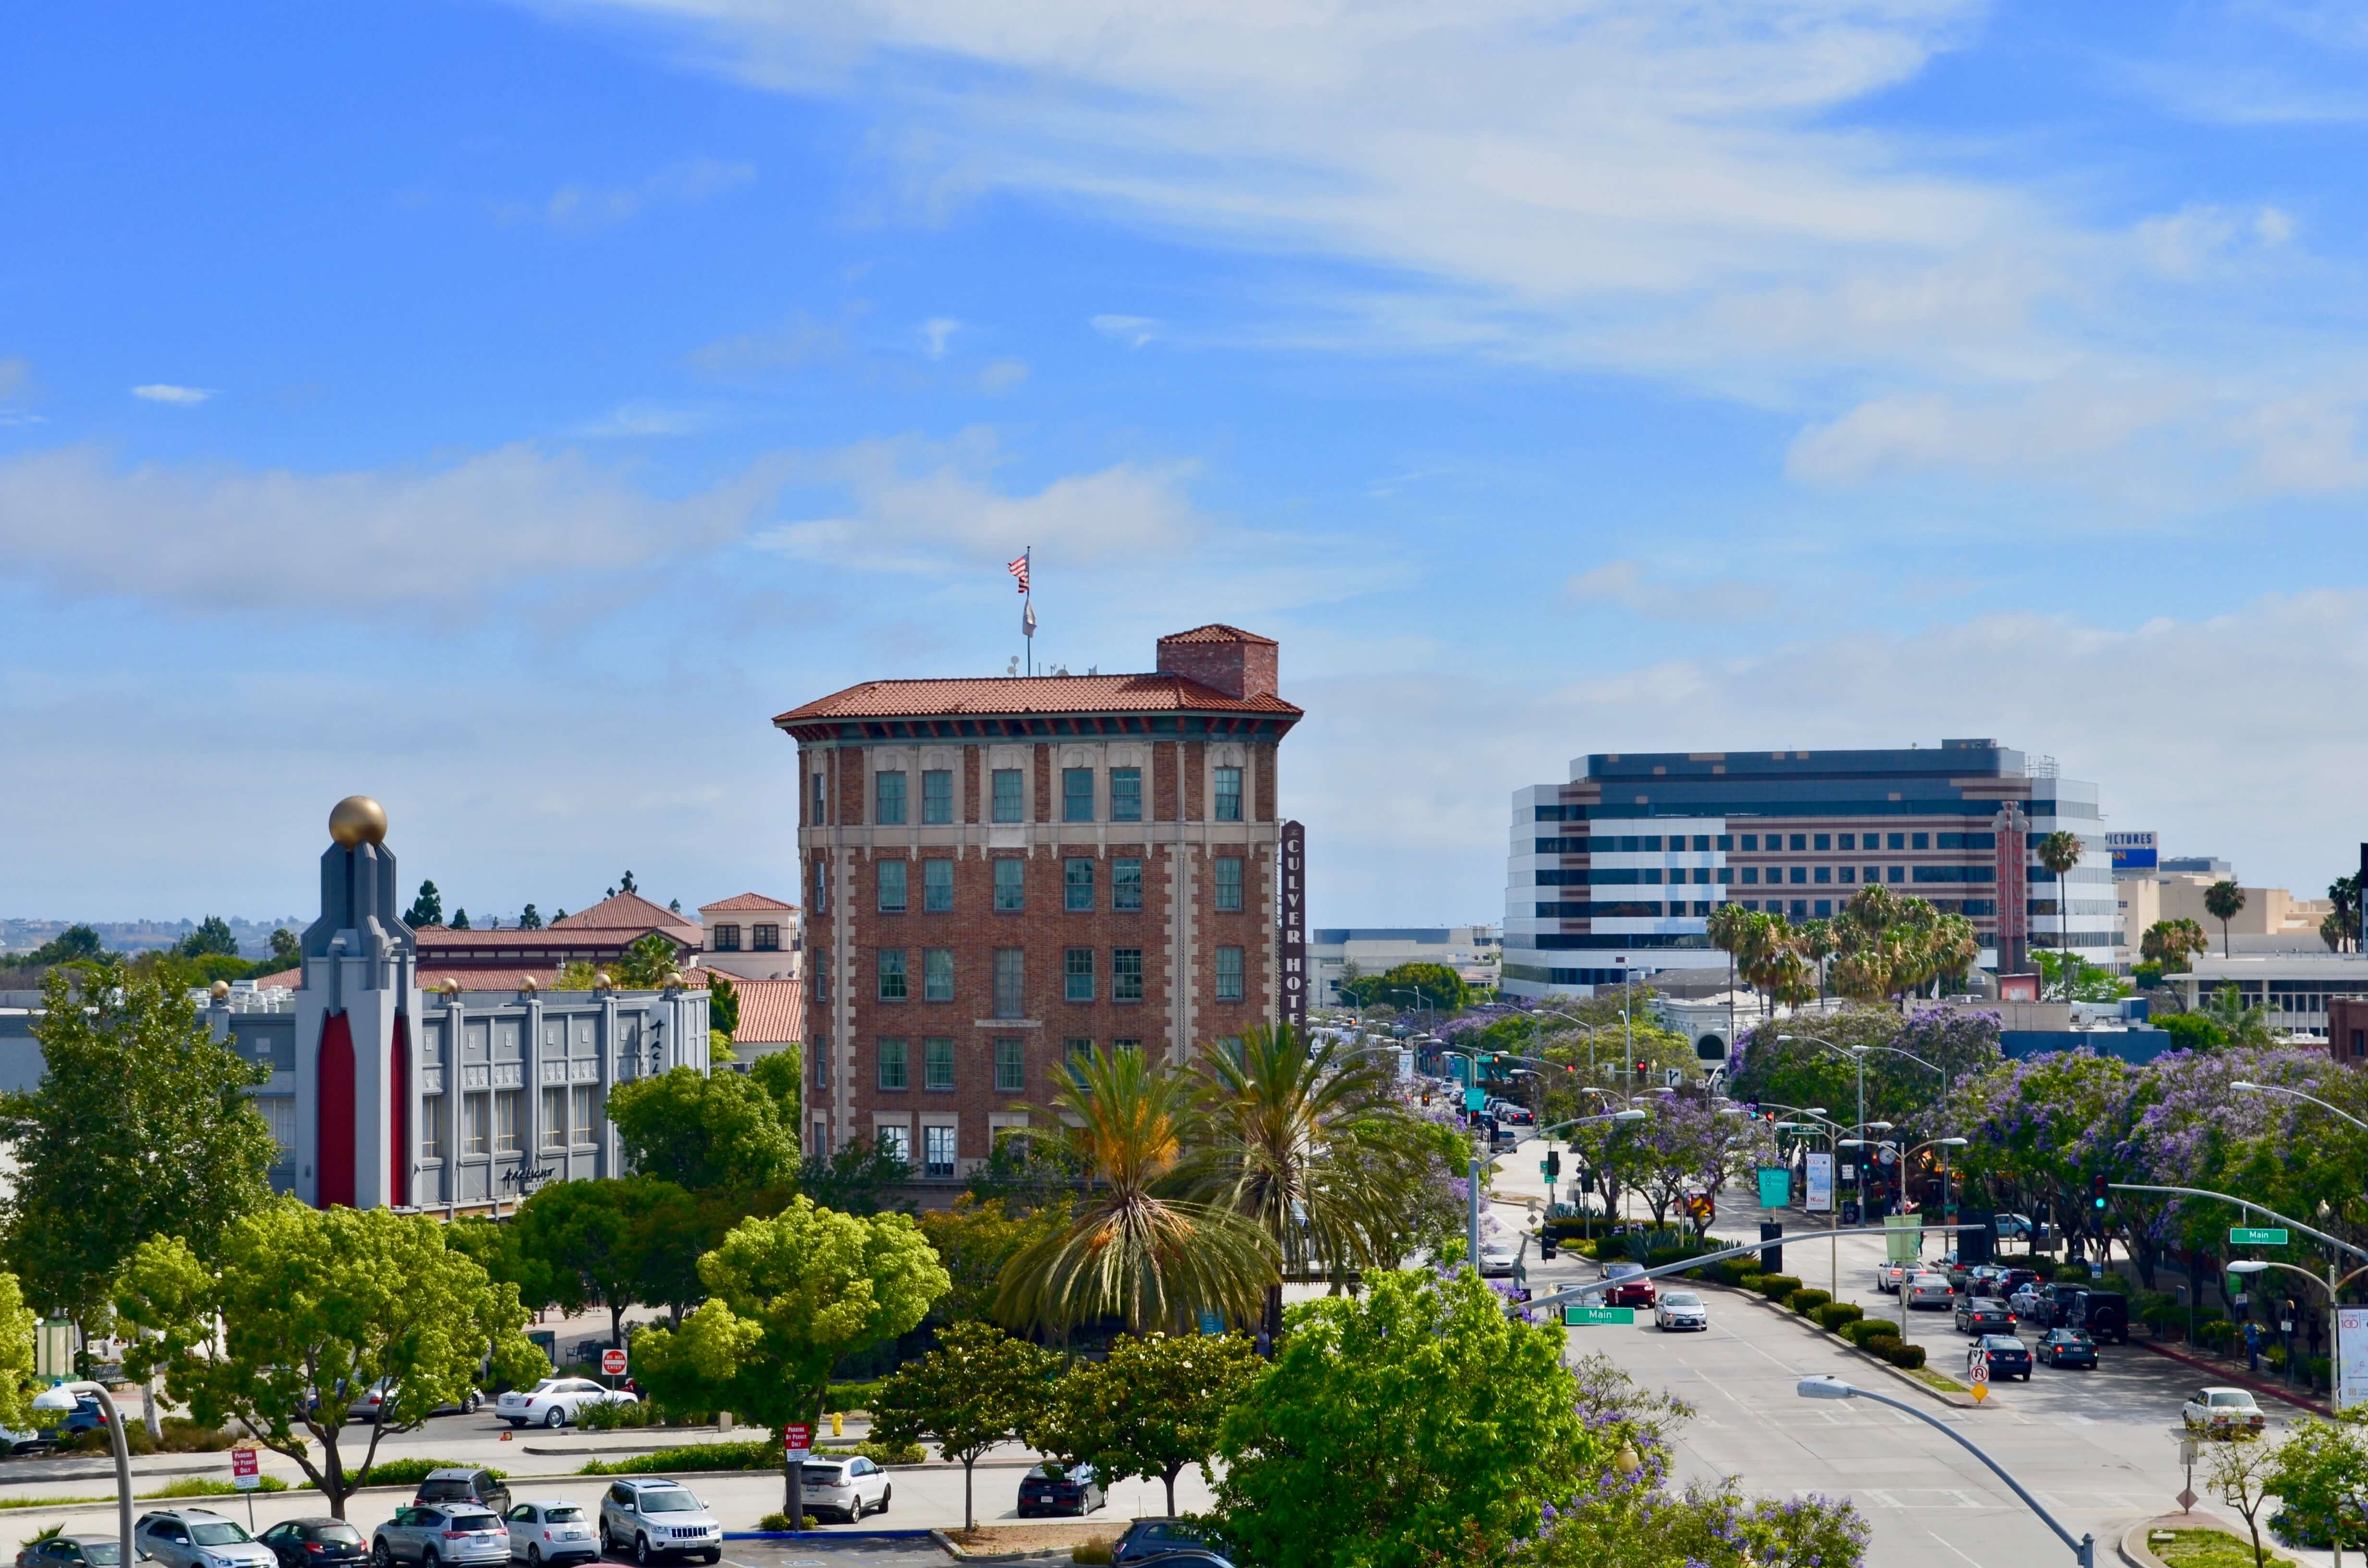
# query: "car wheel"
556,1418
606,1546
470,1405
886,1493
427,1558
641,1553
515,1420
533,1557
380,1556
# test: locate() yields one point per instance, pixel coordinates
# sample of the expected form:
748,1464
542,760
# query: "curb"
1042,1554
1955,1400
2134,1550
831,1534
2242,1379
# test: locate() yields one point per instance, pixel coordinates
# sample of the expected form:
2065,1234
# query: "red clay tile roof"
747,901
997,694
286,979
772,1012
629,911
1218,631
442,940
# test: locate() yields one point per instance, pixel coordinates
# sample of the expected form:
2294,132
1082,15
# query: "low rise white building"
751,936
2294,987
1471,951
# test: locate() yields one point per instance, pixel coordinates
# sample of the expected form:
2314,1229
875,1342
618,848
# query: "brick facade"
1174,943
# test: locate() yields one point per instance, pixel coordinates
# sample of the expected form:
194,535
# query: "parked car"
658,1518
87,1416
435,1533
550,1532
199,1538
316,1538
71,1552
1147,1538
557,1402
2013,1227
2068,1347
1498,1257
2222,1411
2008,1357
1889,1276
847,1487
1061,1489
1679,1310
1982,1314
1929,1291
29,1441
1629,1287
371,1404
1192,1557
464,1484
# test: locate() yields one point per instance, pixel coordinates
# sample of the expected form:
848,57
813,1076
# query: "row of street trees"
1880,945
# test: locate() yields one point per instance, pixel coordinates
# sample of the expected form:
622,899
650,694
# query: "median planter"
1865,1329
1834,1314
1776,1286
1806,1301
1908,1356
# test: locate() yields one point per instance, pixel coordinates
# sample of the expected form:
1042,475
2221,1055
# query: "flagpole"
1028,605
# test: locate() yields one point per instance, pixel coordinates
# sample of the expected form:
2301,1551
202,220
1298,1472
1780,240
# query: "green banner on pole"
2257,1235
1579,1317
1775,1186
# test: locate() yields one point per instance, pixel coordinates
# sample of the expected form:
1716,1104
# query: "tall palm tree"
1127,1252
2059,852
2222,900
1727,926
1818,942
1306,1142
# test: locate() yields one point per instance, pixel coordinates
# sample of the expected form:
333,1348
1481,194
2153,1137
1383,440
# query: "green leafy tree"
2066,977
1298,1136
1155,1405
722,1002
17,1325
212,938
702,1130
789,1295
2238,1024
580,1242
1128,1251
427,909
460,920
2320,1473
75,944
530,918
2240,1471
647,961
974,1239
1434,985
302,1309
857,1178
1396,1420
978,1389
2344,893
1029,1172
141,1125
2172,943
286,947
781,1074
2224,901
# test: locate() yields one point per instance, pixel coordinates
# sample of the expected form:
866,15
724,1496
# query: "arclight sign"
2351,1355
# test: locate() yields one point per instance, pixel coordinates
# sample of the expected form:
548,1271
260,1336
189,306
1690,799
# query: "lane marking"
1951,1545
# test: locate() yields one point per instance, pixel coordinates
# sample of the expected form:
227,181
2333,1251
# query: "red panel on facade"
398,1172
335,1077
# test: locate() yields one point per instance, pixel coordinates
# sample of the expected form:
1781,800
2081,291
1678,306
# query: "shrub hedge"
1834,1314
1858,1333
1806,1301
1901,1355
1776,1286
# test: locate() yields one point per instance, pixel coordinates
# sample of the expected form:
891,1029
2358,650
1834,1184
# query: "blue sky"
505,410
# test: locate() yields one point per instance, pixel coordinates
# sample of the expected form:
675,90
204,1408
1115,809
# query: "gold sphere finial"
357,819
221,990
452,987
674,980
601,981
529,987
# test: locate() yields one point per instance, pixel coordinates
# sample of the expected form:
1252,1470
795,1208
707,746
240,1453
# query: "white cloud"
1624,585
932,507
578,205
451,534
936,333
795,342
160,392
1133,330
631,420
1001,376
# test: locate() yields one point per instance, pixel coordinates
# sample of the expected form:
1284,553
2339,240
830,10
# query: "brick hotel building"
1001,872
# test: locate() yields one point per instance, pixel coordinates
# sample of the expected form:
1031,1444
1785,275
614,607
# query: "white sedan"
556,1402
1680,1309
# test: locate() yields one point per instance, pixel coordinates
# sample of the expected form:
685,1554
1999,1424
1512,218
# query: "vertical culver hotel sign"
1293,905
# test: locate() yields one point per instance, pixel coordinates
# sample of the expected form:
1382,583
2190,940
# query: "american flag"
1020,569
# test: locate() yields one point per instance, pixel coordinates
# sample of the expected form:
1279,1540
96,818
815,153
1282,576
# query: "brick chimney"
1237,663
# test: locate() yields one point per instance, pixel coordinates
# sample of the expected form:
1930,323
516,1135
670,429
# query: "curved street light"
64,1396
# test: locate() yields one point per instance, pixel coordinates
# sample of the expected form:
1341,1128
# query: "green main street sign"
2257,1235
1579,1317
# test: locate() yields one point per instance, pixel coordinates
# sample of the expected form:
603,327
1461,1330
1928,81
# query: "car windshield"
221,1532
562,1516
442,1491
343,1535
1681,1298
1622,1270
669,1500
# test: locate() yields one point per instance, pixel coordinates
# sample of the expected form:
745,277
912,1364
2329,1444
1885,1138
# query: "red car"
1628,1288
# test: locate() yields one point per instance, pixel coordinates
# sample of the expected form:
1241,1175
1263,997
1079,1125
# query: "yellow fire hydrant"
837,1424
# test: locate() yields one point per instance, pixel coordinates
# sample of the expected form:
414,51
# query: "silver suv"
432,1534
199,1538
658,1518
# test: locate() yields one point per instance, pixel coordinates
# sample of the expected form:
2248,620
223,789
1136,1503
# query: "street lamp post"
2083,1550
64,1396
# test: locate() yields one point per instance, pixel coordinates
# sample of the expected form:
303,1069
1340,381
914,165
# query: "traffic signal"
1642,1067
2096,1190
1553,1165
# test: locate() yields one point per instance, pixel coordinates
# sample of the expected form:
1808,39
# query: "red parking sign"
797,1436
612,1363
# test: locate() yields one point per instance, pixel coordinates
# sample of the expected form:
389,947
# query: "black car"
1190,1557
299,1543
2007,1357
2102,1315
2068,1347
1982,1314
1147,1538
1060,1489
